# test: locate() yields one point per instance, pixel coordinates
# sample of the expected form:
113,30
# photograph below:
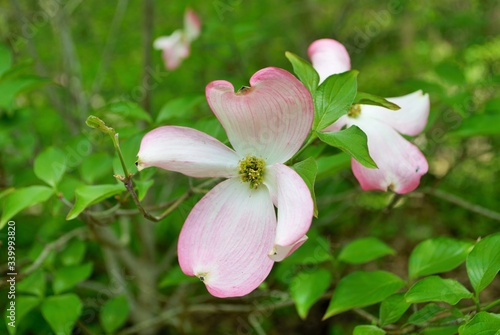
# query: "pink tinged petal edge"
293,199
410,119
192,25
400,163
328,57
187,151
271,119
226,239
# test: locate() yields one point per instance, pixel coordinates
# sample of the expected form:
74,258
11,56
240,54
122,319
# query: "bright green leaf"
482,323
370,99
352,141
304,70
368,330
308,169
483,262
314,251
12,87
114,313
96,166
88,195
127,109
50,166
23,305
435,288
362,288
33,284
180,107
61,312
333,98
5,59
478,125
307,288
425,314
23,198
364,250
445,330
331,165
68,276
437,255
393,308
73,253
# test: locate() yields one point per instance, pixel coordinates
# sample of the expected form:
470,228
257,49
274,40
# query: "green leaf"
114,314
128,110
368,330
425,314
174,277
12,87
333,98
437,255
23,305
61,312
307,288
68,276
5,59
33,284
50,166
73,253
23,198
331,165
352,141
96,166
445,330
451,73
478,125
88,195
435,288
180,107
483,262
374,100
304,70
362,288
364,250
482,323
393,308
307,170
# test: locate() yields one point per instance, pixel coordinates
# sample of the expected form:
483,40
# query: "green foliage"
34,284
364,250
88,195
425,314
368,330
304,70
482,323
308,169
437,289
50,166
393,308
24,304
307,288
371,99
114,314
61,312
68,276
483,262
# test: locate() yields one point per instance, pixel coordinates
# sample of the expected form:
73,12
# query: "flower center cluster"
354,111
251,169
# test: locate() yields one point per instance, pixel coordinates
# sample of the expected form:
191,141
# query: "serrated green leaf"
482,323
362,288
114,313
425,314
331,165
127,109
307,169
435,288
364,250
352,141
50,166
10,88
478,125
23,305
181,107
374,100
61,312
88,195
304,70
23,198
33,284
368,330
68,276
333,98
437,255
73,253
307,288
483,262
393,308
5,59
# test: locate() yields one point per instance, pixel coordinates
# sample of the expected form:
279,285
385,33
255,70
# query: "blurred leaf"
450,73
374,100
333,98
425,314
23,198
435,288
364,250
181,107
331,165
482,323
304,70
368,330
307,170
307,288
362,288
12,87
483,262
88,195
96,166
142,187
23,305
352,141
314,251
445,330
393,308
478,125
68,276
61,312
33,284
114,313
127,109
73,253
175,276
50,166
5,59
437,255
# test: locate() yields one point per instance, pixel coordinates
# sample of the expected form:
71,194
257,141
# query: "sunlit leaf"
50,166
483,262
181,107
368,330
61,312
34,284
478,125
482,323
88,195
435,288
365,250
374,100
393,308
68,276
307,288
304,70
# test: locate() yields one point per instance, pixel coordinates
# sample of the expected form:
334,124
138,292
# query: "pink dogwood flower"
232,237
400,163
177,46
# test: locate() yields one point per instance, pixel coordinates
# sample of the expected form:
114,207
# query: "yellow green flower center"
354,111
251,170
